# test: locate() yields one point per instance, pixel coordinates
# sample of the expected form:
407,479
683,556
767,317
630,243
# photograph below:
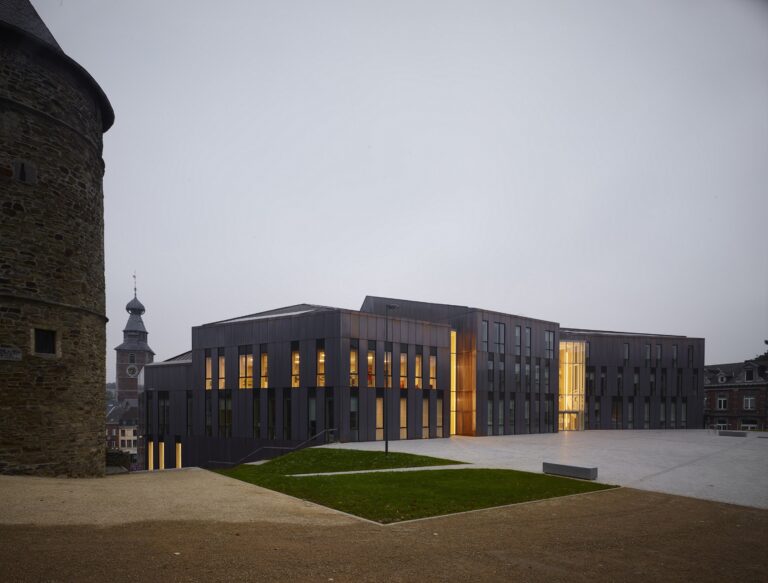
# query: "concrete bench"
570,471
725,433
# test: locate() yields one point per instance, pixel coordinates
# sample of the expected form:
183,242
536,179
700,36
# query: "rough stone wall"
51,268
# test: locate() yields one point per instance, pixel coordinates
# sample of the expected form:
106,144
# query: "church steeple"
134,352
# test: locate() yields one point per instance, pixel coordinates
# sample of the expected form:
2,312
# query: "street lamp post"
387,375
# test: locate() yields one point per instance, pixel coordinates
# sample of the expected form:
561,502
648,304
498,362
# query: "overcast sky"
603,164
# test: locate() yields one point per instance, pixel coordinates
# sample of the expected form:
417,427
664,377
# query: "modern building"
52,318
737,395
258,385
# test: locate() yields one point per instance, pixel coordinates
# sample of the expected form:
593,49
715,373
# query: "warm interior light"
150,456
453,382
178,455
571,386
160,455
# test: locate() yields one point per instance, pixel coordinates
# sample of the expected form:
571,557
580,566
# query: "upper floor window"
320,380
749,403
549,344
484,336
371,363
626,352
245,367
749,375
295,365
500,332
403,367
658,353
517,340
722,403
132,358
418,369
264,366
690,356
527,341
354,366
208,370
44,341
647,355
674,355
388,365
222,369
433,368
490,370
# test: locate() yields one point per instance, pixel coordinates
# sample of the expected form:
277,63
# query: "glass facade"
572,380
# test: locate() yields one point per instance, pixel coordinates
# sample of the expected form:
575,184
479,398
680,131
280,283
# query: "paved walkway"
696,463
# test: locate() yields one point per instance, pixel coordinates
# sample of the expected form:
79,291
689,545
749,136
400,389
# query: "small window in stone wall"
24,171
45,341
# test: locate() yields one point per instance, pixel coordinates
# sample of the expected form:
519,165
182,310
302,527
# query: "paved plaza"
695,463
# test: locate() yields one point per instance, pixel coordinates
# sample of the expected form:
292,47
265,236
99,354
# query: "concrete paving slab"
695,463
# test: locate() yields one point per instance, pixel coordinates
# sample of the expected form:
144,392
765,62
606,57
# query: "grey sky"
603,164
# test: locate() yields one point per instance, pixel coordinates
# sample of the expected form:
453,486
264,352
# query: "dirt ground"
612,535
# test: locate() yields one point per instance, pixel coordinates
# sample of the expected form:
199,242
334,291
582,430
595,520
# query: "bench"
725,433
570,471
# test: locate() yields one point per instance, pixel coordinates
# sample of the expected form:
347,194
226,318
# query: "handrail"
263,447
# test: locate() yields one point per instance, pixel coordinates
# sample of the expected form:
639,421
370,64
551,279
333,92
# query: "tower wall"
51,264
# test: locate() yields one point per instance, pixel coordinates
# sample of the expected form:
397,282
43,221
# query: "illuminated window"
208,370
403,418
517,340
245,366
433,367
440,417
484,336
354,365
500,333
221,369
452,402
379,418
295,365
371,363
264,366
403,367
320,381
571,386
425,416
418,368
388,365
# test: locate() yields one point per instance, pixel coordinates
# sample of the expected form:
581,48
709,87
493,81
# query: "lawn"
394,496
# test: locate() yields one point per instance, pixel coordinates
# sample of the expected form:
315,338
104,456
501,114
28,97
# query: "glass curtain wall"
571,393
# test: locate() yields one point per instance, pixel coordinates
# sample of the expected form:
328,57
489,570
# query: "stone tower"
133,353
52,322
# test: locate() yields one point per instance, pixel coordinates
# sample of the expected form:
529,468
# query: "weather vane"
134,284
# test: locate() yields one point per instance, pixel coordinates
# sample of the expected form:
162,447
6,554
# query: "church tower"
133,353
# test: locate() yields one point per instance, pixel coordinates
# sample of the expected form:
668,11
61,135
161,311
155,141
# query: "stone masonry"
52,116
